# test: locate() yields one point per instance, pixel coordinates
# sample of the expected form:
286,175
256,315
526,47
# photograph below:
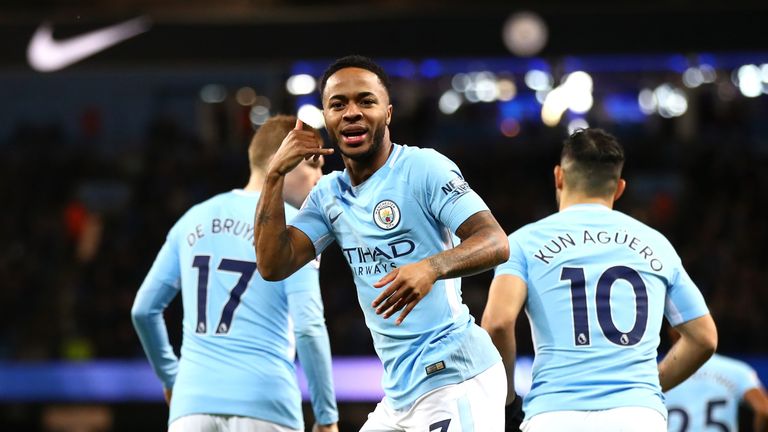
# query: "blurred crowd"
80,227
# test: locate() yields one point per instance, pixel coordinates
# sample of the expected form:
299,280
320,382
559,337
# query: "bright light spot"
450,101
311,115
647,101
578,90
245,96
460,82
509,127
692,77
749,81
259,115
486,89
577,123
525,34
708,73
580,102
300,84
554,106
507,89
538,80
580,81
213,93
541,95
471,94
671,101
575,93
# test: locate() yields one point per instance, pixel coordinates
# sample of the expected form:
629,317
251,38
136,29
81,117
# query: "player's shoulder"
201,207
235,196
407,157
641,227
721,362
535,226
225,200
328,183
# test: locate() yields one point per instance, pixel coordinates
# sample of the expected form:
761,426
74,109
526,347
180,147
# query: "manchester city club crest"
386,214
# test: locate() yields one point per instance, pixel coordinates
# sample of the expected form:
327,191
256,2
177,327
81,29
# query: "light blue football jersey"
709,399
599,283
237,355
406,211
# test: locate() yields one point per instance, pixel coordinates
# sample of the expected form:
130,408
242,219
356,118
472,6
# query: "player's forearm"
503,337
150,327
314,353
697,343
147,317
683,359
270,234
484,249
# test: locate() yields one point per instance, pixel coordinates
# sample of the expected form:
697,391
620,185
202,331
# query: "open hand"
407,286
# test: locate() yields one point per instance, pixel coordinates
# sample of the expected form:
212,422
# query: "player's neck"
568,200
361,170
255,182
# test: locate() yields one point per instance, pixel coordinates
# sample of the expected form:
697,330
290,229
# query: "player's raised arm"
281,250
483,245
697,343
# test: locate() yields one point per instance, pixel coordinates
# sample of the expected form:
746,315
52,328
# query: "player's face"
357,111
301,180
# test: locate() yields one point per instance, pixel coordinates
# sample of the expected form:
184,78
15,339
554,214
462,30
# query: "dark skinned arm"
280,249
483,246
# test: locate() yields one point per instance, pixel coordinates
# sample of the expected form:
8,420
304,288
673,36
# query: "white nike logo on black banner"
45,54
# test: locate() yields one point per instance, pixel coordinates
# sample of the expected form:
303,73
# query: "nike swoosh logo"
333,218
46,54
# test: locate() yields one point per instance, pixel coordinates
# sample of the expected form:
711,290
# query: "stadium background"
98,159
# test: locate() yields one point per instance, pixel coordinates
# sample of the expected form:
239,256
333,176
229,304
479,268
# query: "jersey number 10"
605,283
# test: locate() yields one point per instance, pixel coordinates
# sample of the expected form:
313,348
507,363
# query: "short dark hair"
355,61
592,159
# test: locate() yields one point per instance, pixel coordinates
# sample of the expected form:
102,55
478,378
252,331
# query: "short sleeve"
447,194
516,264
684,301
311,221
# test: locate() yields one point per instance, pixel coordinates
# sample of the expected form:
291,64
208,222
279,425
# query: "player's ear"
558,177
620,186
389,114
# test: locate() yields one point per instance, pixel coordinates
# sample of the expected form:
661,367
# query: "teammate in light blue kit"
710,398
393,212
236,371
595,284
